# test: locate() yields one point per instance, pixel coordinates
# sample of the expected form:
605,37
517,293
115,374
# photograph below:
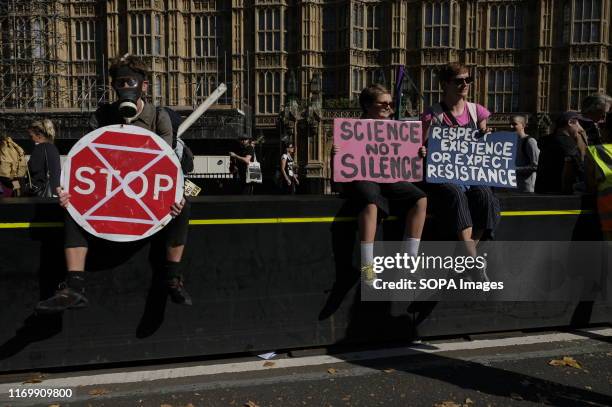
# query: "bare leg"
367,223
175,254
415,219
75,258
470,245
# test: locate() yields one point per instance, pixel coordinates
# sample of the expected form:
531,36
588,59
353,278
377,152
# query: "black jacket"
38,165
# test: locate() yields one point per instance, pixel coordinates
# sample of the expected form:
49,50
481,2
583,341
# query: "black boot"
174,282
177,291
69,295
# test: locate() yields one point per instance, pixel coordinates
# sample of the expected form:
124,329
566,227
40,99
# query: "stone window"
583,82
85,40
140,34
505,26
268,100
503,91
268,32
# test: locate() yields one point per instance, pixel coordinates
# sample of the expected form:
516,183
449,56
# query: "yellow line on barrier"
546,213
31,225
263,221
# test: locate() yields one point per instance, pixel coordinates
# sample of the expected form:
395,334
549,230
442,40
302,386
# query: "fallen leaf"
97,392
516,396
346,398
389,370
331,370
566,361
269,364
447,404
35,379
469,401
250,404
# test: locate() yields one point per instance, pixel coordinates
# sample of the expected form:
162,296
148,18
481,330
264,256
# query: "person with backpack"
13,166
470,212
44,165
526,156
129,80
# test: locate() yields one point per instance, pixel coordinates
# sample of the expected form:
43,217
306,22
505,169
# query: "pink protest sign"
382,151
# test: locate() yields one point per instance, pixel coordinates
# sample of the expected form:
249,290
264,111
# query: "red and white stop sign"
122,181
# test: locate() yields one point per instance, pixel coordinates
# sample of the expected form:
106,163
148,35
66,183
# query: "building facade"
297,63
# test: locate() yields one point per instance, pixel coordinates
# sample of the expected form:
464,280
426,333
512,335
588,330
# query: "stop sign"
122,180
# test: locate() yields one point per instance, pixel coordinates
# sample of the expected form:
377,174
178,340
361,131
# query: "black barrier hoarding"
500,271
266,273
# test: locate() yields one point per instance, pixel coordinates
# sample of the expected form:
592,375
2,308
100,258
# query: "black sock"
172,270
76,280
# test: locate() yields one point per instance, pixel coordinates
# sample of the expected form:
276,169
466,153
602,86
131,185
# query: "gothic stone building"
292,65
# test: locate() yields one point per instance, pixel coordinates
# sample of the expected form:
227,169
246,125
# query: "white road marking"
182,372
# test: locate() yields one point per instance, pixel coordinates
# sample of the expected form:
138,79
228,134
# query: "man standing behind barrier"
592,120
242,159
526,156
128,76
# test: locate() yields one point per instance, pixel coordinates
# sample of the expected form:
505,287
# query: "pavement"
549,368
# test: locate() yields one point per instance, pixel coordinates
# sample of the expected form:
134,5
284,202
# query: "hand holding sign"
383,151
464,156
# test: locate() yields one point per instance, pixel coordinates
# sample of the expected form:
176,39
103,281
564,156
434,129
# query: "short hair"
131,61
450,70
43,128
599,101
520,118
369,94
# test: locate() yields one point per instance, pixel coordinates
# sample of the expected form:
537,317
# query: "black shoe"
177,292
63,299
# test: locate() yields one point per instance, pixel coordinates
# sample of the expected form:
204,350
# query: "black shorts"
384,196
457,209
173,235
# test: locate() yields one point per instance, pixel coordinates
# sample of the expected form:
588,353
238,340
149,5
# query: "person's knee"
370,208
421,205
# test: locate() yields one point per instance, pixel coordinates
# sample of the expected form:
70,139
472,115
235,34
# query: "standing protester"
472,212
561,164
44,165
241,161
289,176
129,80
526,157
374,198
594,109
598,165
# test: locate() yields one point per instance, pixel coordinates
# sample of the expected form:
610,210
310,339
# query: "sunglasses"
384,104
122,82
461,81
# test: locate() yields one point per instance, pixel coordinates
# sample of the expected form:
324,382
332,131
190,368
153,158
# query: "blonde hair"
44,128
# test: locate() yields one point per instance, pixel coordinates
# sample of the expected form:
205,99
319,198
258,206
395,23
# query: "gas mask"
128,101
128,85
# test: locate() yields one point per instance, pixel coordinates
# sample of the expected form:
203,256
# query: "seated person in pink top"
468,213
